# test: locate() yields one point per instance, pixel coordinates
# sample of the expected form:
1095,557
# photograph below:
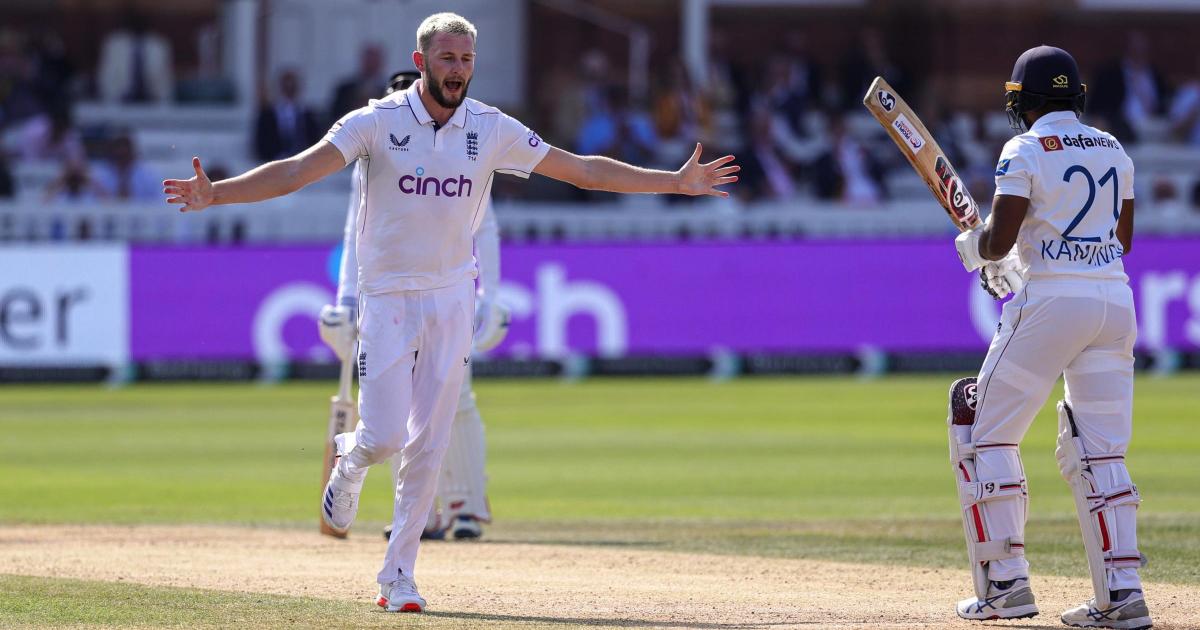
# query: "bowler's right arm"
273,179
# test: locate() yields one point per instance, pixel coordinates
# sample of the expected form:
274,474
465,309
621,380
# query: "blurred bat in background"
343,416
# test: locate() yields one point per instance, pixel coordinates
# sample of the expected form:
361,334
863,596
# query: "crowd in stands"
796,124
38,91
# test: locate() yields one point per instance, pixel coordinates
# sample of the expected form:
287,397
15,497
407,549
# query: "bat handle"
346,379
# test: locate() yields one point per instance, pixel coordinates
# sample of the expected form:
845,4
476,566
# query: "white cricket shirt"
1075,178
425,189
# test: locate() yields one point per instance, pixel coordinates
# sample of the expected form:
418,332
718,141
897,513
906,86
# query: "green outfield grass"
819,467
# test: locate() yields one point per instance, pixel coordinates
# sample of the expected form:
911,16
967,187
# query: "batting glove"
967,245
338,330
1003,276
491,324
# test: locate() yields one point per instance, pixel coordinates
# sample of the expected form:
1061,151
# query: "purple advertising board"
638,299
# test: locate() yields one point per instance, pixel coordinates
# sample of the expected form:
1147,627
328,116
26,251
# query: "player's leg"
434,528
462,488
1026,356
441,364
1096,423
385,367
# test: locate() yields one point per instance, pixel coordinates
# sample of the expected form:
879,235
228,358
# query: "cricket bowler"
1062,218
430,155
460,505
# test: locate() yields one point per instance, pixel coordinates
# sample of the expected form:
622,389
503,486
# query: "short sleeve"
520,149
1014,171
1127,180
352,134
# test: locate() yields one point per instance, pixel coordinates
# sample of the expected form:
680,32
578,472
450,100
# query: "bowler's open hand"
195,194
702,179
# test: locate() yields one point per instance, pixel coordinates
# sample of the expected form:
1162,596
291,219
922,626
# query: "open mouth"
452,85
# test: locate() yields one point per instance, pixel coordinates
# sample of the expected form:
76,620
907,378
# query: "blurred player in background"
1063,217
430,157
460,505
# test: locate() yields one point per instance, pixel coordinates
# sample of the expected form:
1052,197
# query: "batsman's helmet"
1042,75
401,80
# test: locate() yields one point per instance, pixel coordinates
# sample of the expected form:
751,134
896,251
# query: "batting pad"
983,545
1107,510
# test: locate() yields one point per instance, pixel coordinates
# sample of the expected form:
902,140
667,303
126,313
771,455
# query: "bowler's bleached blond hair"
443,23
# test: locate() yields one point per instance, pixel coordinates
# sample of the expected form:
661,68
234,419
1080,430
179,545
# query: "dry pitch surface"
512,584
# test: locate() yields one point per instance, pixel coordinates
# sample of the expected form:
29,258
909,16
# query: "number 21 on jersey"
1109,176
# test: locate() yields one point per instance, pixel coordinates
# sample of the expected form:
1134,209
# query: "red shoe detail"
381,602
411,607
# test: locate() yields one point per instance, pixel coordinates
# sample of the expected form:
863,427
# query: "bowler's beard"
434,84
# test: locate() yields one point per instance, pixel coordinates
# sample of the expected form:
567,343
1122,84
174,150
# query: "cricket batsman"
430,154
460,503
1062,219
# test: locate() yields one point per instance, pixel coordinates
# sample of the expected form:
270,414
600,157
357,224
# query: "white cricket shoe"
1011,599
400,595
1129,613
339,504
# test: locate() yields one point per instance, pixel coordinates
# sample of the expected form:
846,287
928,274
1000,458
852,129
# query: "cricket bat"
343,416
923,152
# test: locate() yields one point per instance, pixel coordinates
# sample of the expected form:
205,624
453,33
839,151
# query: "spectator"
1185,110
617,131
862,63
725,94
797,136
52,70
50,136
124,177
573,94
847,172
74,184
681,114
135,64
285,127
765,173
801,86
1129,91
18,94
355,91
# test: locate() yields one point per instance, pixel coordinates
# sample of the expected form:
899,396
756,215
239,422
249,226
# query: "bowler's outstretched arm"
273,179
594,172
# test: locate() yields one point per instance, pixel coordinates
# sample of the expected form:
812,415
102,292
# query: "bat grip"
346,379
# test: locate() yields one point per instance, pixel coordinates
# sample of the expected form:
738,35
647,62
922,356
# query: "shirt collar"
457,119
1051,118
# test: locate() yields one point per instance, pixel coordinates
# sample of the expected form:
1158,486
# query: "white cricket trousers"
414,352
1084,330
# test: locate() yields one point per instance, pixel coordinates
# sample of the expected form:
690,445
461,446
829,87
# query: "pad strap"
1124,559
999,549
967,449
1102,458
1121,495
972,493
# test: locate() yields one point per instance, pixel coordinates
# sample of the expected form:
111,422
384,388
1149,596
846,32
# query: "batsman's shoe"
1011,599
400,595
426,534
1129,613
466,527
339,505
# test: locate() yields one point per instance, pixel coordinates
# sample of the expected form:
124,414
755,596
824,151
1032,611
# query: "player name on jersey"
1096,255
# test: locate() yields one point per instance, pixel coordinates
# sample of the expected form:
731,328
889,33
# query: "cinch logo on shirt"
1051,143
420,185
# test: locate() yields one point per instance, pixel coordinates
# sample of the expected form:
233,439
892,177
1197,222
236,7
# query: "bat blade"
905,128
343,416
